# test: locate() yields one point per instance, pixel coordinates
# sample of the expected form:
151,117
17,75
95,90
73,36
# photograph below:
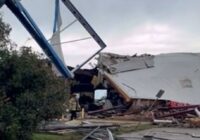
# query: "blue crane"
23,16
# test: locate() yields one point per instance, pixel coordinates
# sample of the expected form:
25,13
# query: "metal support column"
23,16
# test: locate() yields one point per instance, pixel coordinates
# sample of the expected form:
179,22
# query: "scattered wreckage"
161,89
164,86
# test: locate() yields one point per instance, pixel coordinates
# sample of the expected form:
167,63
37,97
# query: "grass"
47,136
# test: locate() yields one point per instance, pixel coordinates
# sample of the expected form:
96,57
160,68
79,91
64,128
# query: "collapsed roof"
141,77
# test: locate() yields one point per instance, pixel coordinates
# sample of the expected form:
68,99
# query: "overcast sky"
126,26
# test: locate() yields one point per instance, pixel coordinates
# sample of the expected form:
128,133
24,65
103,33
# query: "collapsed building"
136,80
140,77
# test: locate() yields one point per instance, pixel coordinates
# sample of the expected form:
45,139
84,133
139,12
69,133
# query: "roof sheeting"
178,74
117,63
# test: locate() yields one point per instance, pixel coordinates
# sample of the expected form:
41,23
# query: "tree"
4,33
29,90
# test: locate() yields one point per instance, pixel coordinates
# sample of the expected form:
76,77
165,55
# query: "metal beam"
83,21
89,134
87,60
23,16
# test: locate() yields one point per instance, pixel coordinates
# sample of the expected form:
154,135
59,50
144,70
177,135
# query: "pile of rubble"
132,81
85,128
186,115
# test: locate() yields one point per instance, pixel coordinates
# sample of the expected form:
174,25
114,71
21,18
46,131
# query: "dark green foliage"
4,33
29,90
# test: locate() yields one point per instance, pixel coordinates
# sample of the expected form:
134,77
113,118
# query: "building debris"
176,73
104,111
64,127
110,135
88,135
163,134
161,89
99,134
88,129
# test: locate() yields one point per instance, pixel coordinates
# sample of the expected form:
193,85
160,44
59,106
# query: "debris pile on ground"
93,128
159,113
188,114
131,83
89,129
162,134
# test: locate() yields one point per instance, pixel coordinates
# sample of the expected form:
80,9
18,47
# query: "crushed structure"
164,86
141,77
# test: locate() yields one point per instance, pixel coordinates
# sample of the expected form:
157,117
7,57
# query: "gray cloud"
116,20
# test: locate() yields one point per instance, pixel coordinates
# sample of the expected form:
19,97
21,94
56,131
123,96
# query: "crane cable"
72,41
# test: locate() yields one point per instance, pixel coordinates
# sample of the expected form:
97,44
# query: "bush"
29,90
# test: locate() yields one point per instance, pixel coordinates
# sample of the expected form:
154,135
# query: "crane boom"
23,16
83,21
